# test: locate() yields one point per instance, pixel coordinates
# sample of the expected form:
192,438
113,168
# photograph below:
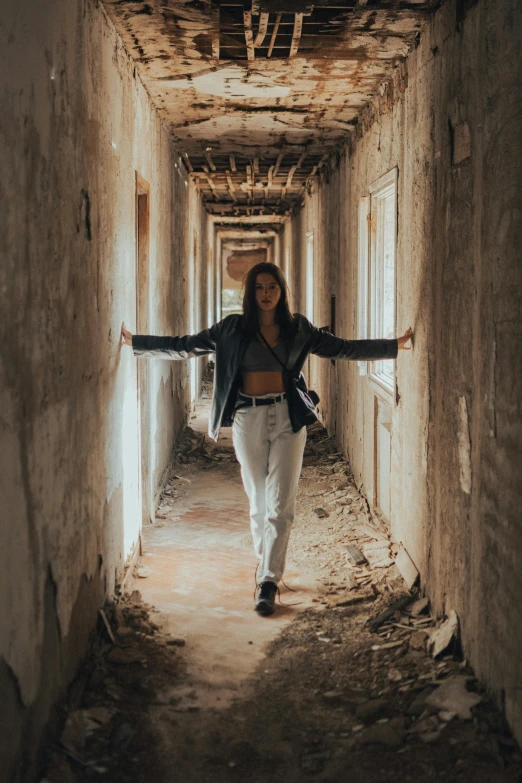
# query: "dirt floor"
340,690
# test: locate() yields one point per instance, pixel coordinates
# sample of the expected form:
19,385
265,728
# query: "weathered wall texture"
77,125
456,422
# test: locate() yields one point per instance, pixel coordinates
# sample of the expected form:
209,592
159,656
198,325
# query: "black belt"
253,402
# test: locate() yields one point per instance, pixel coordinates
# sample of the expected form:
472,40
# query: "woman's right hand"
408,334
126,336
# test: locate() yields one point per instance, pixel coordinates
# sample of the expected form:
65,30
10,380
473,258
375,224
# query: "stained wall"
76,127
456,411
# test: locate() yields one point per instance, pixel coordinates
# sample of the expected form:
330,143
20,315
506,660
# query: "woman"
259,358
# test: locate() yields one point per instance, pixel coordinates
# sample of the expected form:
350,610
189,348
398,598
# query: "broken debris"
407,567
453,696
321,513
419,607
442,637
356,555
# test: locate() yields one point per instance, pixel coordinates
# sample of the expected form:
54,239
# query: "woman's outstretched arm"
187,347
330,347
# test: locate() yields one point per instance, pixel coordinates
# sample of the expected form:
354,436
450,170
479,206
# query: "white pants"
270,455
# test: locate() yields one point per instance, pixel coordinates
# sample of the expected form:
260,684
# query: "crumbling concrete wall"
456,413
77,125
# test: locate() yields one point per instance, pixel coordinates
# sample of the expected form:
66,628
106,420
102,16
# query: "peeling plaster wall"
77,124
456,419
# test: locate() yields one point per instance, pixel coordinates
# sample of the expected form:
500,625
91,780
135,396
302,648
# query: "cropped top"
258,357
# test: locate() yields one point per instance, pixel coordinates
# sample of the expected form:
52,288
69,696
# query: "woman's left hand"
408,334
126,336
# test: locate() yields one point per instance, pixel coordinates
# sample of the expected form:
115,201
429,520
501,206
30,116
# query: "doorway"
143,327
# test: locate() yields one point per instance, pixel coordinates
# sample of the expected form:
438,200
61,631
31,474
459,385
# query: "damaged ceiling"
259,94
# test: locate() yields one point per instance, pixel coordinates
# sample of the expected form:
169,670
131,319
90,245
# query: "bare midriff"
257,383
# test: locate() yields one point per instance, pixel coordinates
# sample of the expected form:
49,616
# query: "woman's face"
268,292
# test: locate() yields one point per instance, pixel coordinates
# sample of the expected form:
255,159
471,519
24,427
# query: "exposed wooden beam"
215,31
211,184
256,165
278,162
270,175
323,160
187,161
283,192
274,34
249,35
263,26
210,162
231,188
233,163
315,169
271,219
290,176
301,159
296,37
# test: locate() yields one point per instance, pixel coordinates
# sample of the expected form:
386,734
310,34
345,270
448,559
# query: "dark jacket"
229,341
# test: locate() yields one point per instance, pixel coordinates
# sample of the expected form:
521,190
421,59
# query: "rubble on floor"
368,685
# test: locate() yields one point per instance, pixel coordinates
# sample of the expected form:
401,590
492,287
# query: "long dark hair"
283,315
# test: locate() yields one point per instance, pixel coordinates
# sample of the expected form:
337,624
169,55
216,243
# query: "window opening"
376,289
363,266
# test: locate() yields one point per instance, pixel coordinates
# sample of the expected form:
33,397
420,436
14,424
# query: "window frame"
363,240
371,272
380,191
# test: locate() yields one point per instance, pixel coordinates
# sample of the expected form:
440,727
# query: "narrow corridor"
198,688
152,153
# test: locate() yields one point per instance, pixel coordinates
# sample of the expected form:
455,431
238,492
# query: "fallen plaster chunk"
441,638
407,567
366,529
321,513
376,553
384,563
452,696
356,555
418,640
419,607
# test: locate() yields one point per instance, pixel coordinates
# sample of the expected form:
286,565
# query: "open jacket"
229,341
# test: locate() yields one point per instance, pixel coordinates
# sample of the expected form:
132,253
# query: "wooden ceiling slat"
263,26
274,35
249,35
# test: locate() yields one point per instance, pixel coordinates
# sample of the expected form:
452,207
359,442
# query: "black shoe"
265,598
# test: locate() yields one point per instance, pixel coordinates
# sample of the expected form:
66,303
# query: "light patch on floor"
201,584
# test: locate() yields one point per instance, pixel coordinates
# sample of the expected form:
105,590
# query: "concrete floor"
201,583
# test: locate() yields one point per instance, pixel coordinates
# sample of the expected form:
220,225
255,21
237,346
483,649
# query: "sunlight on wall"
310,276
193,315
130,460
